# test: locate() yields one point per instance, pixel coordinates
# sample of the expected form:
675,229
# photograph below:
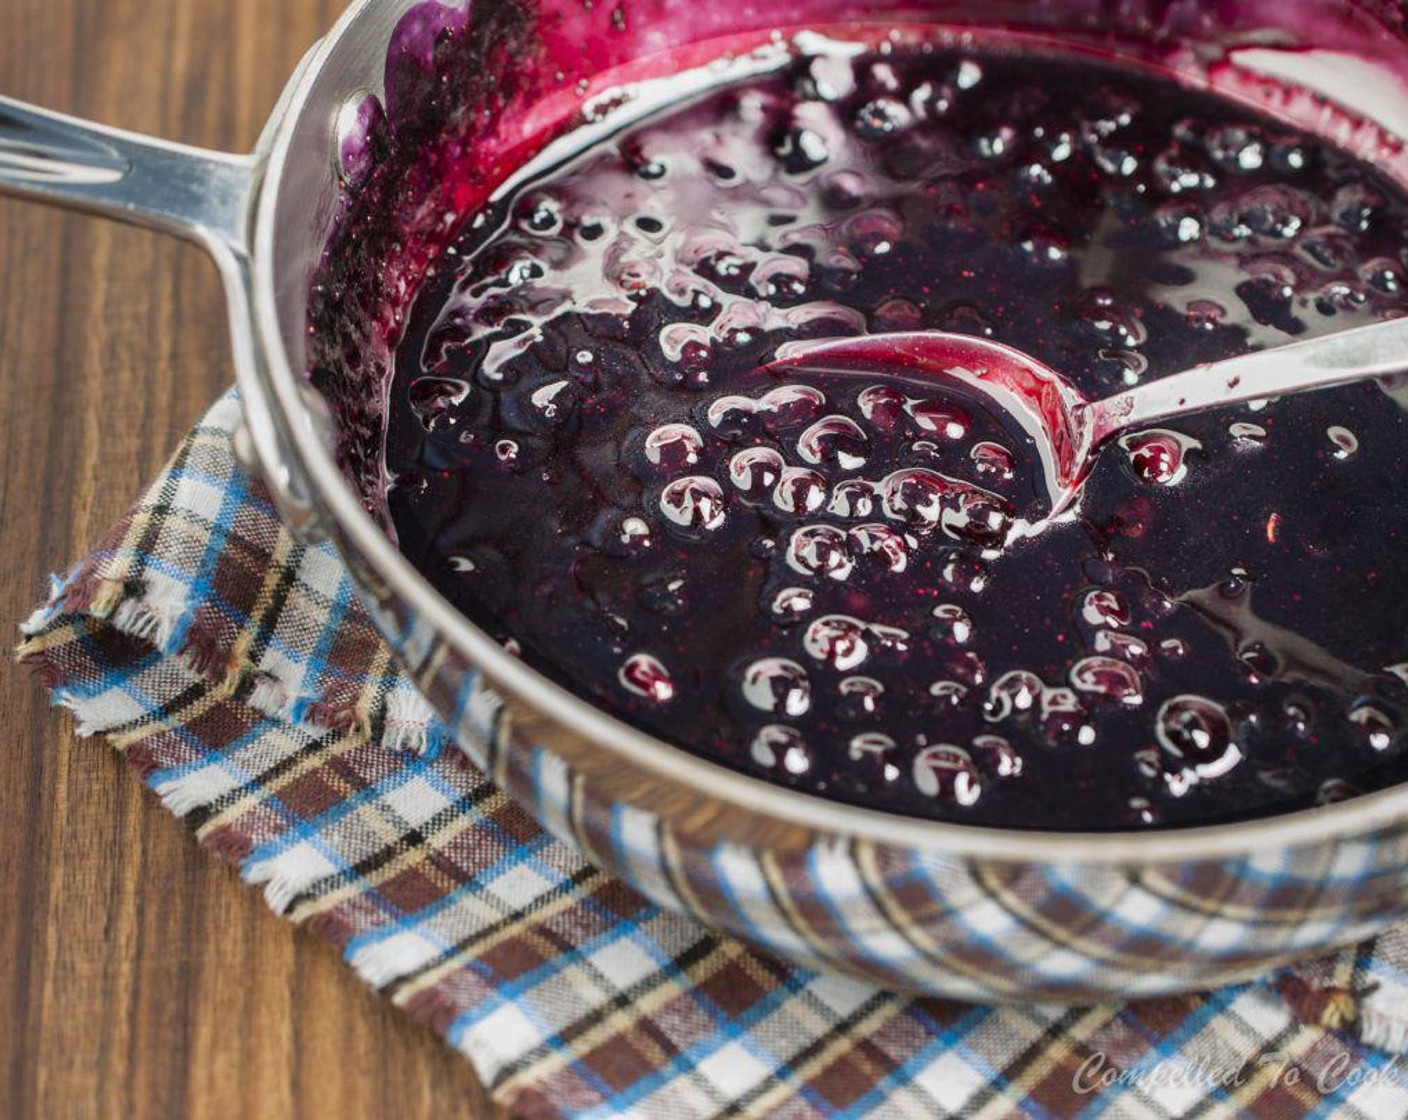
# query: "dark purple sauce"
804,578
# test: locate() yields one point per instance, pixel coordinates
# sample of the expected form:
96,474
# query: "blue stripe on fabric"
740,1029
124,680
315,664
182,575
233,494
1331,1104
223,758
516,854
944,1039
509,993
311,829
838,914
1168,1048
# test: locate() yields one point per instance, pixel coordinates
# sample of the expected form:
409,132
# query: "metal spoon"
1066,430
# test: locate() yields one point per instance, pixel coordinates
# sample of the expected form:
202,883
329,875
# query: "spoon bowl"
1064,430
1042,406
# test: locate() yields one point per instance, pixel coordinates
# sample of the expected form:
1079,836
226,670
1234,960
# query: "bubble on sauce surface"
777,743
1197,735
1015,692
790,406
979,517
968,74
1297,716
540,214
952,623
881,544
869,743
965,666
998,756
553,402
1375,727
755,470
820,550
1247,434
1334,790
799,491
993,460
949,693
1206,314
1063,720
829,78
797,760
1141,811
835,441
898,315
1383,275
853,498
1104,315
883,406
1109,679
507,452
1180,171
435,399
1044,245
645,676
1159,457
881,119
1236,148
1102,607
940,418
674,446
729,416
1127,647
634,531
838,641
1345,442
947,773
801,150
872,756
893,641
792,603
777,686
966,573
860,696
694,502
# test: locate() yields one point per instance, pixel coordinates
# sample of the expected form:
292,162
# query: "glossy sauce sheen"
805,579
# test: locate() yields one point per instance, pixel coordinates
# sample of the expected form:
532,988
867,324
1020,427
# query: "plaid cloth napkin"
234,669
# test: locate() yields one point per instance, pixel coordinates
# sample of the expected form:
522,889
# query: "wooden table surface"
138,978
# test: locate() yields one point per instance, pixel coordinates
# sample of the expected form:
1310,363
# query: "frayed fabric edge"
410,723
161,616
283,878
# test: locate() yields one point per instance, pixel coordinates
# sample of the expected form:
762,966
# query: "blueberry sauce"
814,578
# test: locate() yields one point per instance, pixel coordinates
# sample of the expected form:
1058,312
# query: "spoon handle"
1378,350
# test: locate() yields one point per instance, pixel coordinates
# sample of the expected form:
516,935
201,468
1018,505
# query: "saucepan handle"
202,195
205,196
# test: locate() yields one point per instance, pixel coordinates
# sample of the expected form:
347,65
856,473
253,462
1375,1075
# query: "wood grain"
138,978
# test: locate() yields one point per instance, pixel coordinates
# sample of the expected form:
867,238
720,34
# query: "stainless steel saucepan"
971,913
